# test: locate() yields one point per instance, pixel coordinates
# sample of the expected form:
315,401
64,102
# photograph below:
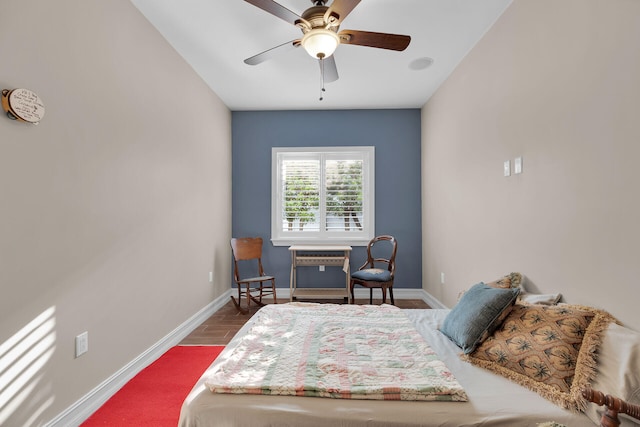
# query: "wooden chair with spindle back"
249,274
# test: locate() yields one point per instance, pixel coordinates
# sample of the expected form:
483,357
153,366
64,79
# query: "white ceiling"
215,36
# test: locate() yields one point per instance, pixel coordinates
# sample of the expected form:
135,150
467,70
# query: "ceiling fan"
320,25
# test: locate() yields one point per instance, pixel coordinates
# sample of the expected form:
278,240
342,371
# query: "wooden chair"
614,406
370,276
247,258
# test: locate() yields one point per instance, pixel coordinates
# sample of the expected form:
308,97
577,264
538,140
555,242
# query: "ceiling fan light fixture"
320,43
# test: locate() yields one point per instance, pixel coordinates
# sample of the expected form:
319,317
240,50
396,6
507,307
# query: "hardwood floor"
224,323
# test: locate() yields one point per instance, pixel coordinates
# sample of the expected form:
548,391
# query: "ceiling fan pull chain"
321,59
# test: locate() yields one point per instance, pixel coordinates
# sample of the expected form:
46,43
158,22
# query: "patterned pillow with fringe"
551,350
511,280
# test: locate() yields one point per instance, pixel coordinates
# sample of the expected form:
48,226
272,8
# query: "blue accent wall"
396,136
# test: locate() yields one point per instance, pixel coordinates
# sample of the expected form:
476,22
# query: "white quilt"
336,351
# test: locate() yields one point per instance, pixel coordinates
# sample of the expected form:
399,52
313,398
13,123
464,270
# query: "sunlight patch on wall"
22,360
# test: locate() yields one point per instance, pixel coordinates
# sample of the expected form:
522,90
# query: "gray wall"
396,137
558,83
113,209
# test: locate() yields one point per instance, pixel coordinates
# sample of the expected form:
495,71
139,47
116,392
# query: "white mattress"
493,400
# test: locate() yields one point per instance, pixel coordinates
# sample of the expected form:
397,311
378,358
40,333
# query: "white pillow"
546,299
618,371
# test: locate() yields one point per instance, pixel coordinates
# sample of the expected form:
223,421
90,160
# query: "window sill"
348,242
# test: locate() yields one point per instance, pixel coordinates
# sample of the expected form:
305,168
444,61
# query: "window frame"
280,237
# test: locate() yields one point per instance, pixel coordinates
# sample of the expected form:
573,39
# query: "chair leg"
384,294
248,294
391,295
273,288
351,285
370,296
238,306
251,297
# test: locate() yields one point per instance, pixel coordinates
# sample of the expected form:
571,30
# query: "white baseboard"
433,301
398,293
88,404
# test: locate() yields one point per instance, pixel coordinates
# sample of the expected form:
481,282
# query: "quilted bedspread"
336,351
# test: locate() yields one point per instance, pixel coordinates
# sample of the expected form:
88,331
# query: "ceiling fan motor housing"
314,18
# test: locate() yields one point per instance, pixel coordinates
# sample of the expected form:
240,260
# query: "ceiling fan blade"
330,69
379,40
276,9
270,53
340,9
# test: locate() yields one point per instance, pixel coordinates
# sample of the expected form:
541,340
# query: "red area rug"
154,396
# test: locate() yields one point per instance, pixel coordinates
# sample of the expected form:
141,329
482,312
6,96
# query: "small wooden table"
319,255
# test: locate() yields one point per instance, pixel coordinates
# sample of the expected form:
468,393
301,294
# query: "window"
322,195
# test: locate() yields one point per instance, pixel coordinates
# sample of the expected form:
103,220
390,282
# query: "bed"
492,398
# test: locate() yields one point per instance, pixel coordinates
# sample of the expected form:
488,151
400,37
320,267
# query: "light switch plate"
507,168
517,165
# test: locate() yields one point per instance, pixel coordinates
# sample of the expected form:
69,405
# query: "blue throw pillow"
373,274
478,313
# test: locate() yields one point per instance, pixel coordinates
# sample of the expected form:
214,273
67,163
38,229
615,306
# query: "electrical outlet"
211,277
442,278
321,267
82,344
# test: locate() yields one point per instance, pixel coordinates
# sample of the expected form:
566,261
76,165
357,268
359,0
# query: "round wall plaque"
22,105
